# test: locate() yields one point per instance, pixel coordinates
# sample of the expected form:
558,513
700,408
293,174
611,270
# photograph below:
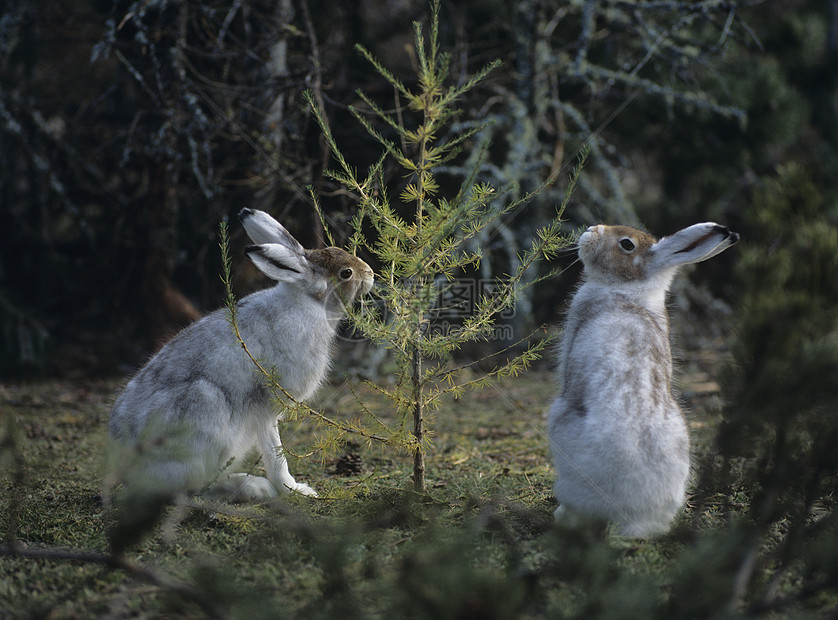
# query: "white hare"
619,439
199,402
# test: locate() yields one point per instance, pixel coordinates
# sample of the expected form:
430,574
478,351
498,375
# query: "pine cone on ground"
350,464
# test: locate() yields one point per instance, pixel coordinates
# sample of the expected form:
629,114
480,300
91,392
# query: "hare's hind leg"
276,465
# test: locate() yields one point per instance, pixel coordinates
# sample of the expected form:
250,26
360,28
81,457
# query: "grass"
480,544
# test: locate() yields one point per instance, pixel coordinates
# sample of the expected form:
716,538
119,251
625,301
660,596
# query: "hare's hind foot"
566,517
643,529
243,488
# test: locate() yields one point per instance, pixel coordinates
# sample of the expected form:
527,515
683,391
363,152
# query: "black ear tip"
253,249
727,232
245,213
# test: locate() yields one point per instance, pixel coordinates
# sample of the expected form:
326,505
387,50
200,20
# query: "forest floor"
480,544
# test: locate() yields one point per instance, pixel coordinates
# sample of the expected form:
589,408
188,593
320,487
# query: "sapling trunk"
416,361
418,423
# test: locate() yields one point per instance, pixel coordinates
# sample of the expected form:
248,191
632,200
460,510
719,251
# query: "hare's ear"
693,244
262,228
278,262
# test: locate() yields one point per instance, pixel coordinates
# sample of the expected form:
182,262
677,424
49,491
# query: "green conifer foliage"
777,442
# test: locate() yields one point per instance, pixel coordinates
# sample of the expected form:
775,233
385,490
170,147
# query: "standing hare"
200,402
619,439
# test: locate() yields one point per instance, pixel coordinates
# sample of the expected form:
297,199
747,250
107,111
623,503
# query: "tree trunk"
166,309
418,424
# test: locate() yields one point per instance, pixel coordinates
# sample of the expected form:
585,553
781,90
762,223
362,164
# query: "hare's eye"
346,274
627,244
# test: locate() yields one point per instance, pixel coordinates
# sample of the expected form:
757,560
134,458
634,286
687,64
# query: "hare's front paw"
302,488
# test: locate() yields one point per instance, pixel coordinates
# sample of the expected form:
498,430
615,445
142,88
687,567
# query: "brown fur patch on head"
350,274
331,259
615,253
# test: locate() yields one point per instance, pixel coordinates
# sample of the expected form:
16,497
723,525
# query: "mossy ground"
480,544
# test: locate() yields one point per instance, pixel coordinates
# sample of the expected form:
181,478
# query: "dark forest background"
128,130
